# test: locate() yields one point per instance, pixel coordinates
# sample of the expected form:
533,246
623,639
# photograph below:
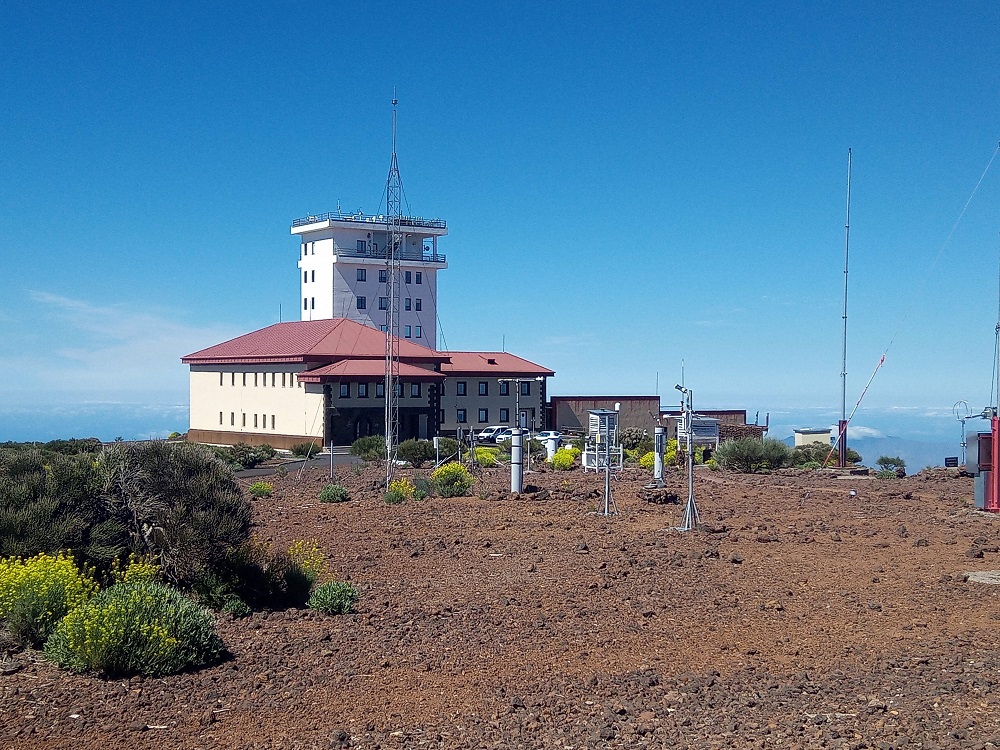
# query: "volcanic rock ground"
799,616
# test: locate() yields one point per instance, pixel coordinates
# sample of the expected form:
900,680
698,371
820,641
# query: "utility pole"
842,426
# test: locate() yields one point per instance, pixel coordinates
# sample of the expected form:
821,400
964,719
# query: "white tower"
342,266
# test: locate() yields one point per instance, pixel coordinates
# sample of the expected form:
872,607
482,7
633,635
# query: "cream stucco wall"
243,393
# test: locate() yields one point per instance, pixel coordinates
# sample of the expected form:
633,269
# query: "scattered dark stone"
921,543
736,558
974,553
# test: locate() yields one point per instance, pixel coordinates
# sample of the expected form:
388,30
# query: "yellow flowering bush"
36,594
141,627
564,459
138,569
399,491
308,558
451,480
648,460
486,456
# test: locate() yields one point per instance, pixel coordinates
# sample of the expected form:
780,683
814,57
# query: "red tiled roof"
309,341
500,364
365,369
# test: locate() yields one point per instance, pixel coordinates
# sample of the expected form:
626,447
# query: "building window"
484,415
300,383
362,303
484,388
232,419
362,246
255,421
460,388
525,387
305,303
345,390
460,416
274,377
407,333
244,380
244,419
420,279
283,380
407,277
383,329
441,417
383,276
379,390
272,421
232,379
255,380
504,388
505,415
305,277
362,274
407,304
383,303
362,390
312,303
415,390
313,278
418,332
304,247
220,417
418,304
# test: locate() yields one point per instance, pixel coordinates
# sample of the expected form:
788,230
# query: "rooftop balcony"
424,255
415,222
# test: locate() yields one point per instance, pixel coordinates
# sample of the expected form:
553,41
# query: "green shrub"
35,594
712,464
752,456
400,490
369,448
334,493
237,607
243,456
304,449
422,488
175,503
821,454
486,457
452,480
447,447
648,460
261,489
416,452
631,437
140,628
891,463
564,459
333,598
579,443
812,465
887,474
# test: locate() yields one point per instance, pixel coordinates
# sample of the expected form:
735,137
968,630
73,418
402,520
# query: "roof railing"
409,221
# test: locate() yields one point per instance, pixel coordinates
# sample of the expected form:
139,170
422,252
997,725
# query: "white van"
488,434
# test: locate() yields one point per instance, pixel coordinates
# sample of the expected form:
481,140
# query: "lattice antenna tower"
394,241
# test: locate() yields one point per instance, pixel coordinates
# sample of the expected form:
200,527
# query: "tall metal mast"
394,240
842,431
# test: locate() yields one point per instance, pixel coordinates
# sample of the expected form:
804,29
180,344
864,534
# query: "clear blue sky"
625,187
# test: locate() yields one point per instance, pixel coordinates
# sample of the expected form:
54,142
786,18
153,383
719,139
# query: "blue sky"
626,187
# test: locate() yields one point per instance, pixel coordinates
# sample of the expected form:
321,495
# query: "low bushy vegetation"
243,456
416,452
334,493
261,489
369,448
333,598
447,447
893,464
647,460
564,459
135,628
400,490
753,456
486,457
303,450
36,594
820,454
451,480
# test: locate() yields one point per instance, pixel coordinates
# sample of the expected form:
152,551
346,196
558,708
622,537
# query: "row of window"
288,379
462,388
345,390
383,303
258,424
484,416
409,332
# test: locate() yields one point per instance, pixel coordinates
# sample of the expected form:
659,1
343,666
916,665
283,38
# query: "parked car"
506,433
488,434
545,435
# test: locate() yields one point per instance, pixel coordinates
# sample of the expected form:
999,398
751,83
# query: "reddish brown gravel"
798,617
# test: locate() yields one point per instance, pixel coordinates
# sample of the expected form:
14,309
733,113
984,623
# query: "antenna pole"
393,236
842,427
